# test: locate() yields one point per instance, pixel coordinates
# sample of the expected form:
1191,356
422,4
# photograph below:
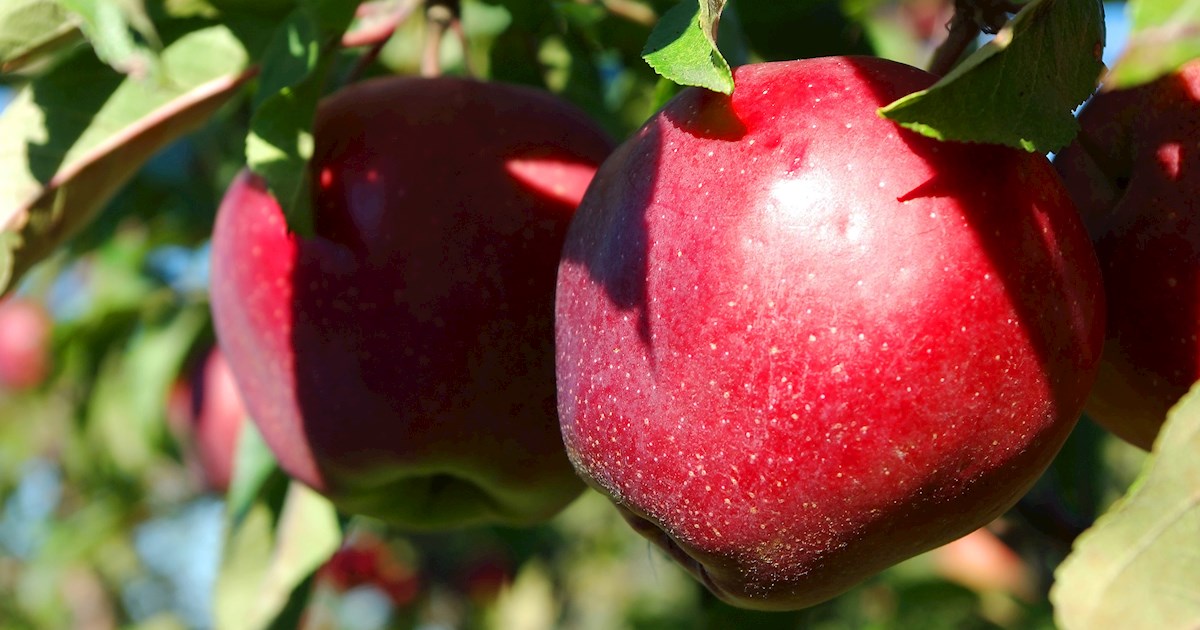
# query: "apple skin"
1135,175
797,344
25,329
401,360
214,420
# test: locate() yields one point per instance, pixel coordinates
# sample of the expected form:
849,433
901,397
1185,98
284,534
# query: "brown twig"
971,17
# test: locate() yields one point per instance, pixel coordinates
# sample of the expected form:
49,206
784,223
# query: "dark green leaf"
1020,89
683,46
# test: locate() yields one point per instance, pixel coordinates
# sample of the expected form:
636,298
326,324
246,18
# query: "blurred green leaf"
270,555
1021,88
108,25
1164,35
683,46
294,69
253,468
29,28
1139,565
127,407
73,137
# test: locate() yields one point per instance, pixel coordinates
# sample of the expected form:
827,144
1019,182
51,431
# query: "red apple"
206,413
401,359
219,414
982,562
797,343
1134,172
367,559
25,329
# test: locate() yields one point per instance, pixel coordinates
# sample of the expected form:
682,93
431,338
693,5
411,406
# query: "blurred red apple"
366,560
798,344
1134,172
206,413
982,562
401,359
25,328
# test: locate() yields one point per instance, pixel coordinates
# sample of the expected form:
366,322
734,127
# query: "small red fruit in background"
206,413
367,560
982,562
798,344
25,328
401,359
1134,172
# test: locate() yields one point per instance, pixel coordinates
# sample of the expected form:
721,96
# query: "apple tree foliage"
127,118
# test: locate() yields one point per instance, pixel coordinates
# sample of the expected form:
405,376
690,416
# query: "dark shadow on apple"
706,114
1134,171
608,236
423,307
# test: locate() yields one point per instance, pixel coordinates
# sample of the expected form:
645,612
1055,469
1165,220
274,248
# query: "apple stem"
440,16
971,17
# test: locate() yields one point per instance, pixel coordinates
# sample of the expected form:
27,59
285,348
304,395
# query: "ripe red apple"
25,329
1134,172
797,344
401,359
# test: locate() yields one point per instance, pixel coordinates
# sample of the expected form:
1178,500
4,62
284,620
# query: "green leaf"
294,69
71,138
109,26
125,412
270,555
31,28
683,46
1164,35
254,469
1021,88
1139,565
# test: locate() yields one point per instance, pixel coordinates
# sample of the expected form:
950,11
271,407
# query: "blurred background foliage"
109,519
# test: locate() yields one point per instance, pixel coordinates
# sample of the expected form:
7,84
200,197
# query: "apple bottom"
446,499
775,584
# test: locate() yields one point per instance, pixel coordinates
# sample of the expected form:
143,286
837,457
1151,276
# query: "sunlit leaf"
30,28
110,27
1165,34
74,136
683,46
271,554
1139,565
1021,88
